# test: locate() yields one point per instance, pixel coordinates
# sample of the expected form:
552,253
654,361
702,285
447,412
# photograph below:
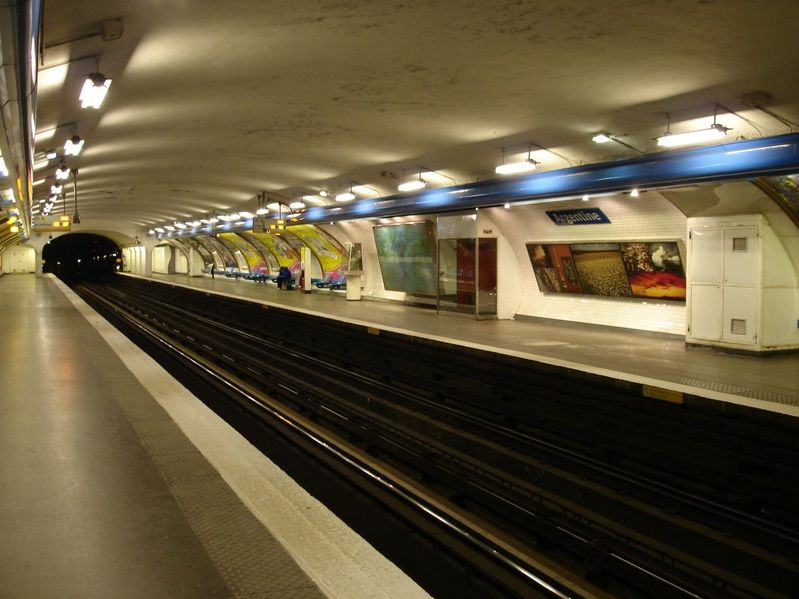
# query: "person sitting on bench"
284,278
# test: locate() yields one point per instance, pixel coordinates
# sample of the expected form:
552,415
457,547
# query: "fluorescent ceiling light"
194,223
56,189
345,197
52,154
670,140
169,228
45,135
513,168
180,225
261,211
601,138
297,206
414,185
213,220
246,214
94,90
62,173
73,146
159,229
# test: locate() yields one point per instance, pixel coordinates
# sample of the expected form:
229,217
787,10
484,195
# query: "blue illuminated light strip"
737,160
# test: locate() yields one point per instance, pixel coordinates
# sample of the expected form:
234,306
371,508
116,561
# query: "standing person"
213,269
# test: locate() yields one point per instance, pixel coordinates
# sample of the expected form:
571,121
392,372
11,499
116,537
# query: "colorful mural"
283,252
228,260
213,254
255,261
326,249
271,261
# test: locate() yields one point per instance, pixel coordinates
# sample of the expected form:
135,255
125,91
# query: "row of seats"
284,279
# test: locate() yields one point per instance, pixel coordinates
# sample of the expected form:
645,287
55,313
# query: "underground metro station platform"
379,299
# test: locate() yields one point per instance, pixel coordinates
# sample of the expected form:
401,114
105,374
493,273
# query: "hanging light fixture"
94,90
73,146
297,205
715,132
56,189
413,184
514,168
62,173
346,196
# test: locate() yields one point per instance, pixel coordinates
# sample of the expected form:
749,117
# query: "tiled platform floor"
116,482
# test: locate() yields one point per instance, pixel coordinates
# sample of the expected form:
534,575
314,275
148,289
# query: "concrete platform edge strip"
338,560
742,400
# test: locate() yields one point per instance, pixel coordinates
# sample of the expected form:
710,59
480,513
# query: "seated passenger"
284,278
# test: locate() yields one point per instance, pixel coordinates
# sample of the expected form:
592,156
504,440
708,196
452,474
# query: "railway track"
525,515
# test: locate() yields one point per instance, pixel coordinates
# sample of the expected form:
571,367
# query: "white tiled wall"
649,217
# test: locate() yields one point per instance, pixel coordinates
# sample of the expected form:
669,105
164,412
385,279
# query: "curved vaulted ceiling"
212,102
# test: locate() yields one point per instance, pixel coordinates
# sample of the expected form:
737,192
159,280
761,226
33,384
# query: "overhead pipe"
738,160
20,25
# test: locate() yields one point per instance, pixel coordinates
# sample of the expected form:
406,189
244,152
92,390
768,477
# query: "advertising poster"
223,251
255,262
554,268
601,269
654,269
213,256
407,257
784,190
271,261
282,251
326,249
240,262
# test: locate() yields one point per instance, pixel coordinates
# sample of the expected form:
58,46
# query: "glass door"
456,276
487,277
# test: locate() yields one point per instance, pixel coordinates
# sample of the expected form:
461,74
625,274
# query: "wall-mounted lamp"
94,90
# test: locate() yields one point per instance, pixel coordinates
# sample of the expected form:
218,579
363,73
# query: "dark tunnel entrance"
81,256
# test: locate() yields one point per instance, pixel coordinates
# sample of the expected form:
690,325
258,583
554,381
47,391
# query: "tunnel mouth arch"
75,257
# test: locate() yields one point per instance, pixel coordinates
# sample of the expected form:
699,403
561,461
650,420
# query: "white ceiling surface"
212,102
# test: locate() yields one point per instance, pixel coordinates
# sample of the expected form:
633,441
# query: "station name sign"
579,216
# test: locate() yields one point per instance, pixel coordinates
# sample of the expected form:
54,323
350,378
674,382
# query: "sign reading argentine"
578,216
